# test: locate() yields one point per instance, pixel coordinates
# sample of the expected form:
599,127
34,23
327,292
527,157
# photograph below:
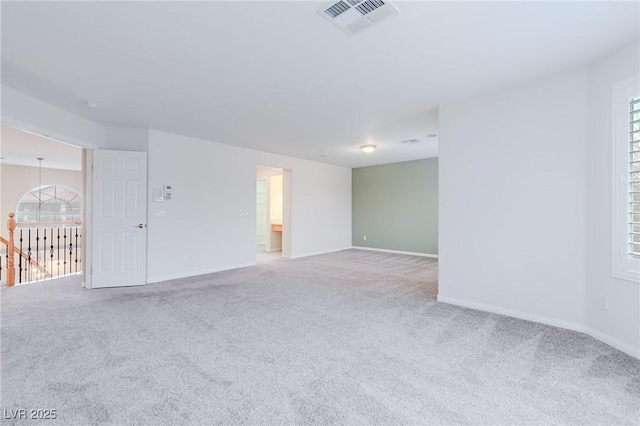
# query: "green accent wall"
396,206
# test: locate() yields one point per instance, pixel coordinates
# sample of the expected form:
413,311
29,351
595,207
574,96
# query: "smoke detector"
352,16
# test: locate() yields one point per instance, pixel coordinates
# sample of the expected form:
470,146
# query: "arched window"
50,203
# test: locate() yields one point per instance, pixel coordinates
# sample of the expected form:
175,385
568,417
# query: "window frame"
20,213
624,266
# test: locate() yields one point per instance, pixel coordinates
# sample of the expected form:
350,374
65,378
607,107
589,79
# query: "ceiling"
23,149
277,77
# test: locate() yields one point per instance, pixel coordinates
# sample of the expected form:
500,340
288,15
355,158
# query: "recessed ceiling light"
410,141
432,135
91,104
368,148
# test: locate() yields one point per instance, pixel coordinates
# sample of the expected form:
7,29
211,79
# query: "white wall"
276,210
525,203
210,222
127,139
33,115
621,324
512,199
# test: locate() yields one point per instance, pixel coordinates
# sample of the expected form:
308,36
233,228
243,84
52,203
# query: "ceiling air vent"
352,16
337,9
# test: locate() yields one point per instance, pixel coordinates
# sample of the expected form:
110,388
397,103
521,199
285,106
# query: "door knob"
141,226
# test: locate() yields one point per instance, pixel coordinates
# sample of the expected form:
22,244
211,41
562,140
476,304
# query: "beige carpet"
347,338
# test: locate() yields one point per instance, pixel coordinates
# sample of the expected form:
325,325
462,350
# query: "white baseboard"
410,253
605,338
200,272
513,313
612,341
317,253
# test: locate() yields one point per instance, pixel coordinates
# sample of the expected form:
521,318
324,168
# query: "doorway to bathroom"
272,213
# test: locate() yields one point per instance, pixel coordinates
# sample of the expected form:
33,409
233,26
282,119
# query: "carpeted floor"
347,338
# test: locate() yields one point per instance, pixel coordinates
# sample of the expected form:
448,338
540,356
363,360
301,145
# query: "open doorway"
272,213
42,186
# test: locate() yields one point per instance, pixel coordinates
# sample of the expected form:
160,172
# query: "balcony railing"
37,251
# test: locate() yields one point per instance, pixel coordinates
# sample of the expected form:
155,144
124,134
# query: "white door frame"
87,217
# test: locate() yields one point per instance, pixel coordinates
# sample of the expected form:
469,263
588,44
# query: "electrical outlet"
365,238
603,302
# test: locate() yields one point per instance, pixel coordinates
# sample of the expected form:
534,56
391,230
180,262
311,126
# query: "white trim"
625,275
605,338
513,313
612,341
623,266
318,253
39,131
410,253
200,272
87,219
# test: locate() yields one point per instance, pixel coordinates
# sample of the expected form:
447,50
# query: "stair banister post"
11,268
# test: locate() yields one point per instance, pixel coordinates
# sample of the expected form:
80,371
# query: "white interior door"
119,218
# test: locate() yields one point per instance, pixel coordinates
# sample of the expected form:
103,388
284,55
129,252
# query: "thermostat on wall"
167,192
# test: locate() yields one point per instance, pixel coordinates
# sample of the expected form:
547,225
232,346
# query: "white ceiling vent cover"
352,16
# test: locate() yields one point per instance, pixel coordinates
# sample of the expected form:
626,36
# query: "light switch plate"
158,195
